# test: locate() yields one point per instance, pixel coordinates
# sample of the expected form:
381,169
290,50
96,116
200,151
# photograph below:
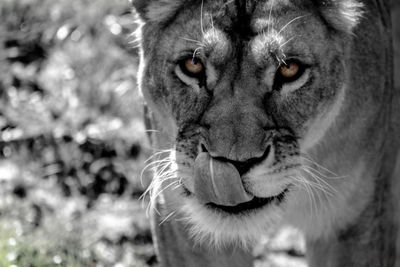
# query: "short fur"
332,134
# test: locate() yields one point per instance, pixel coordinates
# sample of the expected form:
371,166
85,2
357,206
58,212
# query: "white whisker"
290,22
322,174
326,186
312,161
196,51
270,17
305,184
154,165
285,43
327,193
192,40
201,17
165,188
166,218
157,154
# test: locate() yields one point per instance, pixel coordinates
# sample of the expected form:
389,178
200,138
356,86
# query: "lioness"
278,111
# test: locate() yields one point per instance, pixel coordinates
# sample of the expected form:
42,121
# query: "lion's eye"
290,71
192,67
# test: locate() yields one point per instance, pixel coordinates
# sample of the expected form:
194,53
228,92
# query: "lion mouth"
254,204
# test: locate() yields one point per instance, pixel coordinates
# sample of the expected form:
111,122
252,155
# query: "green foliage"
15,253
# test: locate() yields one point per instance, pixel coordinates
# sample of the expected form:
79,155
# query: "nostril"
242,167
203,148
266,153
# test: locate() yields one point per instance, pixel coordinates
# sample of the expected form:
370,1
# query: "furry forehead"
343,15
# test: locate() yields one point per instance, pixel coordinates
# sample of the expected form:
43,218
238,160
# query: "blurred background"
73,143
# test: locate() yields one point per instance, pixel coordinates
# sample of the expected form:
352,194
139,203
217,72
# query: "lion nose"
242,166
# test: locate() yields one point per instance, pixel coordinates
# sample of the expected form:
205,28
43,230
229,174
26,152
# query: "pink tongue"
218,182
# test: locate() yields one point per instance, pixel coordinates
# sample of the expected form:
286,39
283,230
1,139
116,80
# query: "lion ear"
343,15
156,10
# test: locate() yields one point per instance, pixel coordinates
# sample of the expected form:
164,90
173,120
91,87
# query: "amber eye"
289,70
192,67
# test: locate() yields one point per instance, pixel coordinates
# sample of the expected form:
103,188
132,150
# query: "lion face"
246,92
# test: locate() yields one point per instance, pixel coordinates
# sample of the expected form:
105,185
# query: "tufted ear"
156,10
343,15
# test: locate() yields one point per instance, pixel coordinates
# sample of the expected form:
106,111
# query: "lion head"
270,107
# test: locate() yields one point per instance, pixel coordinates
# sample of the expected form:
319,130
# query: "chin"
217,227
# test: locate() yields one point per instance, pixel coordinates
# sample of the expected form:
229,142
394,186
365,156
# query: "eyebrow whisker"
192,40
201,17
269,17
285,43
290,22
196,51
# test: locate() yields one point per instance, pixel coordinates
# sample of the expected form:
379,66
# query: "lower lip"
254,204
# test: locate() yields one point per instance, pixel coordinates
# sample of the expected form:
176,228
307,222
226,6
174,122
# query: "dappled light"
72,139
